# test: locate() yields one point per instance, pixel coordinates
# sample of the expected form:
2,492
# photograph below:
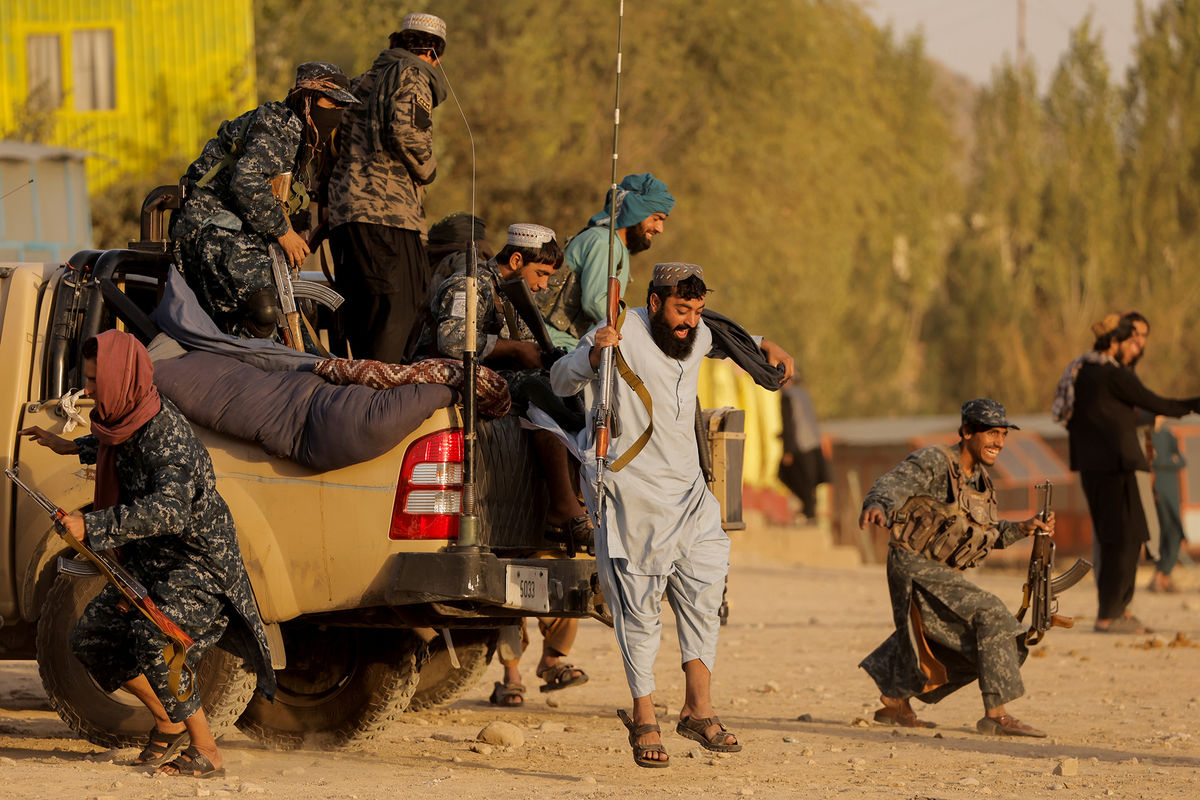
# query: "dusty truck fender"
21,292
261,553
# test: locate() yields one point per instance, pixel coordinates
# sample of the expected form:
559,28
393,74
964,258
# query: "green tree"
1161,185
1077,267
991,298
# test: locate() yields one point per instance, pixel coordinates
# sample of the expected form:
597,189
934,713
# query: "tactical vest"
561,302
959,533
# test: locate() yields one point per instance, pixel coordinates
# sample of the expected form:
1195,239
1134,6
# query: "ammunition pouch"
942,532
561,302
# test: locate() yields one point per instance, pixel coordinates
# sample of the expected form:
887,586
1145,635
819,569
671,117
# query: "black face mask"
326,120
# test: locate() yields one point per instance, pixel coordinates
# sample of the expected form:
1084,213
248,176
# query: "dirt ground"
1123,713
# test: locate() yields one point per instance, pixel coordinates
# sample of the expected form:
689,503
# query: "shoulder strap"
639,388
235,152
955,471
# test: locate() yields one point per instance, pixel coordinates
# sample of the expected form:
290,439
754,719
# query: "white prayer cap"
426,23
526,234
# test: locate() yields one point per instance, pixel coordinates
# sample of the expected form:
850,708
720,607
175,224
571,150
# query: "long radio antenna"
601,427
468,521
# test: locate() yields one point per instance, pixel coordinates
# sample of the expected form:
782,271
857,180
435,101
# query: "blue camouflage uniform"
223,232
177,537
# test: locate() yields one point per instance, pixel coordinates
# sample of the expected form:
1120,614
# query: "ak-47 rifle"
290,287
516,292
1042,588
178,642
608,372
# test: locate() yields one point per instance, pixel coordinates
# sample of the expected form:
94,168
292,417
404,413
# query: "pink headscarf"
126,399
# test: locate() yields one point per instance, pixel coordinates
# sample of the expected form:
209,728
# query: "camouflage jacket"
239,197
977,637
172,526
386,186
926,472
448,310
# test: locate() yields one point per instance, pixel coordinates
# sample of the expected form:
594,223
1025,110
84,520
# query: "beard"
636,240
664,336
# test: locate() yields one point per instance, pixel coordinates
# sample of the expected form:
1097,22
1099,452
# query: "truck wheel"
439,683
118,719
341,686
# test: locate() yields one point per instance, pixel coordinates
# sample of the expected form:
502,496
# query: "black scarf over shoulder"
732,340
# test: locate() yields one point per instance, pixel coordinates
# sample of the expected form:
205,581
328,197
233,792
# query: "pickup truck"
371,605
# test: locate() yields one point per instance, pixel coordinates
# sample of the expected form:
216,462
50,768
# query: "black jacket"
1103,426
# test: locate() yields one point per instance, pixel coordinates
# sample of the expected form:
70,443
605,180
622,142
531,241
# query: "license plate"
528,588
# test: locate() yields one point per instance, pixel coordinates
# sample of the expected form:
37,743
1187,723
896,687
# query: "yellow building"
132,82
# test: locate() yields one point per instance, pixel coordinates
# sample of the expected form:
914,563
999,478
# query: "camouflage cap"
982,411
328,79
528,235
672,272
426,23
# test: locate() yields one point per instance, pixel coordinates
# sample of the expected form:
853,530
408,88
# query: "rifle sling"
639,388
175,656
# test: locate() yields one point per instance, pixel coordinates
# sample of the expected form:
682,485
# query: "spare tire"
118,719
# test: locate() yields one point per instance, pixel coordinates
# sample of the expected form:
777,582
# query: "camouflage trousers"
224,268
968,630
116,646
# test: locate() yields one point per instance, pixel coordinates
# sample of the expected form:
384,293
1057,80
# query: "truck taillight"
429,492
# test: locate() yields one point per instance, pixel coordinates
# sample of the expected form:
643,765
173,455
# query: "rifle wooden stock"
613,304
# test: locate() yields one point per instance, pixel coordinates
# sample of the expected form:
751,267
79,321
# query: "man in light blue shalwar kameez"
661,530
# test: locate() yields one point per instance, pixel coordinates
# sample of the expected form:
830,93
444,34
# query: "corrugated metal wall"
181,66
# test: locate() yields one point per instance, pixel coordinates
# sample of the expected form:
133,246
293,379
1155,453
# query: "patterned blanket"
491,389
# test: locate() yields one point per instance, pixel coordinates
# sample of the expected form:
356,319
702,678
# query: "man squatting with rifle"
949,632
156,500
660,526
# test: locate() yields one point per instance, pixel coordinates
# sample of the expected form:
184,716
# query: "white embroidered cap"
526,234
427,23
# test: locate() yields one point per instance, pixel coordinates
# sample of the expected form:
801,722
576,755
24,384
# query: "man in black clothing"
1102,424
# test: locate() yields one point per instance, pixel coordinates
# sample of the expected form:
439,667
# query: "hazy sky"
973,36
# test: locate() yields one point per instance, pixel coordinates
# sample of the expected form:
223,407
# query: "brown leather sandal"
640,750
192,764
560,677
161,747
694,727
508,694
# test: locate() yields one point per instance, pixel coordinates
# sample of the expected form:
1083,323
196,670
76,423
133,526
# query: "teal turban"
638,196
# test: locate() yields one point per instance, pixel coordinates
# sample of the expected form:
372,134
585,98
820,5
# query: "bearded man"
574,300
1100,397
661,526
